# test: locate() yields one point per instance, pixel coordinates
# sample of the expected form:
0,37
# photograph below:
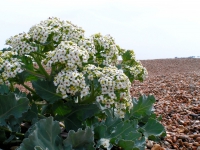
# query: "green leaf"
125,144
140,144
19,94
10,106
46,90
13,123
117,131
38,148
101,131
28,62
31,114
126,55
80,140
78,114
123,129
141,107
111,121
25,76
133,135
153,127
61,109
45,136
4,89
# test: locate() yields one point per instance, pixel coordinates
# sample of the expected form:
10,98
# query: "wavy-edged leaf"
44,135
31,114
111,121
141,107
80,140
13,123
60,109
78,114
19,94
46,90
126,144
140,144
123,129
10,106
153,127
101,131
39,148
4,89
133,135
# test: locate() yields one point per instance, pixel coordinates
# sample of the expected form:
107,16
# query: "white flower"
105,143
67,53
70,82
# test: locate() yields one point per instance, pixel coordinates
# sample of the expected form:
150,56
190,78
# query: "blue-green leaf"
46,90
153,127
80,140
78,114
4,89
126,144
141,107
45,136
9,105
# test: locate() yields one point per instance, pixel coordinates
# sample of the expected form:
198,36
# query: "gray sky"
152,28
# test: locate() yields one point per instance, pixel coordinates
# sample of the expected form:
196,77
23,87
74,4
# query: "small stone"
157,147
149,144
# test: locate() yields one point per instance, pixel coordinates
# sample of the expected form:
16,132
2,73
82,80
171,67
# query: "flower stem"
39,54
28,88
21,135
11,86
41,68
35,74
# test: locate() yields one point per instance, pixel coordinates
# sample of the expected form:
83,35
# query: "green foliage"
12,105
142,107
4,89
153,129
44,135
77,93
46,90
80,140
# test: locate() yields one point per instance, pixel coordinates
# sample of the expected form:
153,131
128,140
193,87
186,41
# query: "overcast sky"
152,28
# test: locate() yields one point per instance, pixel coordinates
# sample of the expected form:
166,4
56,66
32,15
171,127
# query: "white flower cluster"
107,48
88,44
115,81
59,30
67,46
20,44
134,67
112,81
9,66
70,82
92,71
67,53
72,32
136,71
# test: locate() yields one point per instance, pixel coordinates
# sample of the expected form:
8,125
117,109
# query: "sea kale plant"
77,93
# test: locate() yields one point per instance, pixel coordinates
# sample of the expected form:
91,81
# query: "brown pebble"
169,140
196,144
183,137
157,147
194,136
198,139
174,139
175,146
